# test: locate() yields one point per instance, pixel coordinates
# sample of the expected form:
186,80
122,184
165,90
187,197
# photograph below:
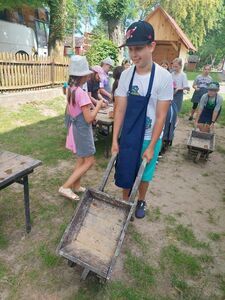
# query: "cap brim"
135,44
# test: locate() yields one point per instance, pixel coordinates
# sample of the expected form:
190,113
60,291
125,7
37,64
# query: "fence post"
52,71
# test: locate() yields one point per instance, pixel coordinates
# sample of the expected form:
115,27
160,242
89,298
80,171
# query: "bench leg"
107,143
27,203
85,273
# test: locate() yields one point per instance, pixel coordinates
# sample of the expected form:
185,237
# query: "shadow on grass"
44,140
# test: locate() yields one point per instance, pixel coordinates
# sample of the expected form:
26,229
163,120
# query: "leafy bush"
100,49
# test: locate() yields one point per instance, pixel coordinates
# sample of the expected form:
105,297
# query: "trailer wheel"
71,264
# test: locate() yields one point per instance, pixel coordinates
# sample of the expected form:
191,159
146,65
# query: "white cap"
79,66
108,61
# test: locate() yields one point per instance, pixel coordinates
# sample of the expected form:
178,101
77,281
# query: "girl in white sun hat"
80,136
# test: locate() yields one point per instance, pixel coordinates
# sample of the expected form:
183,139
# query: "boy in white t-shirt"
145,82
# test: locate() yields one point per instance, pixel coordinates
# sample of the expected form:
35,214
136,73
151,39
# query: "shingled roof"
176,27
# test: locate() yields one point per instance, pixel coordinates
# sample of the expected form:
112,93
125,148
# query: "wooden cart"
200,144
94,237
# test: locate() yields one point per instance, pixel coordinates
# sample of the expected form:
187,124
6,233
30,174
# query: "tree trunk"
57,23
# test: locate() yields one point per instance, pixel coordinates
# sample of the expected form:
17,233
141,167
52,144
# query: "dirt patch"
182,192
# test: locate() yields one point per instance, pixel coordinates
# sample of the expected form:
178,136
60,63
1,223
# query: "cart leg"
71,264
85,273
197,157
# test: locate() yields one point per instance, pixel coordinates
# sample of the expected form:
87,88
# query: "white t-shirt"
180,80
162,89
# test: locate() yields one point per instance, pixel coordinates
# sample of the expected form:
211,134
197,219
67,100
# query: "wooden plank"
6,155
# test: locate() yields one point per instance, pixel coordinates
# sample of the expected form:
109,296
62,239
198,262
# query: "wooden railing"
19,72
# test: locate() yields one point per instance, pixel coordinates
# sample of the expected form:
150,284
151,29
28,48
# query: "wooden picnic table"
16,168
104,120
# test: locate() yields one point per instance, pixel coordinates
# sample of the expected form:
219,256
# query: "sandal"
68,193
81,189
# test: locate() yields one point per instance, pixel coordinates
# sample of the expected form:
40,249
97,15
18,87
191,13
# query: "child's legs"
143,189
126,193
79,162
194,107
80,171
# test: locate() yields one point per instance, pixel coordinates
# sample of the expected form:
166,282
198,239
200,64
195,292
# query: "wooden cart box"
200,144
94,237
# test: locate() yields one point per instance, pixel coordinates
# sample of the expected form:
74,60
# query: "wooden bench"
16,168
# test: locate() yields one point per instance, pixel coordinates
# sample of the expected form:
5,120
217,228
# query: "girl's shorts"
150,167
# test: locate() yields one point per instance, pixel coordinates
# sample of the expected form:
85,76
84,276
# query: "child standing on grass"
180,83
200,86
80,136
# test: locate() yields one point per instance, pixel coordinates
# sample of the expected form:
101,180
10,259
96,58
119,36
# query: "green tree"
112,12
100,49
212,51
195,17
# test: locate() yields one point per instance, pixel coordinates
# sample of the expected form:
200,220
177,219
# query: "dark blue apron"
198,95
132,136
207,113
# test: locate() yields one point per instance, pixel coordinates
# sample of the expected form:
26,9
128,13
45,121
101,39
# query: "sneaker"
140,209
190,118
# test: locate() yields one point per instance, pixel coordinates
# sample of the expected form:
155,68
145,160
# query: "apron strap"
150,81
148,95
131,81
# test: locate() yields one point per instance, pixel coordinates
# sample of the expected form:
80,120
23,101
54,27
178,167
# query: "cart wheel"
71,264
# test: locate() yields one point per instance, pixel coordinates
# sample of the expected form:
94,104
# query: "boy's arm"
119,113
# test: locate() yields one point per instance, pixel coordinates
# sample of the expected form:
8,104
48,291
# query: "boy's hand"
115,148
148,154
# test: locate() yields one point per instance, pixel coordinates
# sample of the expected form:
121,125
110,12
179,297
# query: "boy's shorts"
150,167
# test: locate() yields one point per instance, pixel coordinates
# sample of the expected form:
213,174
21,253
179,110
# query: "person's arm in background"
195,84
119,113
103,92
161,112
93,100
202,103
185,83
103,99
216,110
89,115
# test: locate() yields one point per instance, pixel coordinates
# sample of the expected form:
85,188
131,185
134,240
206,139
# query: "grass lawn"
29,267
191,75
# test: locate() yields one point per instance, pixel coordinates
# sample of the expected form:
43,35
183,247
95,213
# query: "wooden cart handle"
107,172
137,180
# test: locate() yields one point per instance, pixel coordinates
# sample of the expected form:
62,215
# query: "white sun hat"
108,61
79,66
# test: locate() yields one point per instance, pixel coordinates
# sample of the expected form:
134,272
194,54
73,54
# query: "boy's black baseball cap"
139,33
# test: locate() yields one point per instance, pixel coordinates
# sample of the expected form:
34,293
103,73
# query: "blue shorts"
150,167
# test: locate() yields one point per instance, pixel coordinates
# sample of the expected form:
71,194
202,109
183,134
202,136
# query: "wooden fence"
19,72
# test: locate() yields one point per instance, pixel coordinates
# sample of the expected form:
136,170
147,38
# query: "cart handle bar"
137,180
